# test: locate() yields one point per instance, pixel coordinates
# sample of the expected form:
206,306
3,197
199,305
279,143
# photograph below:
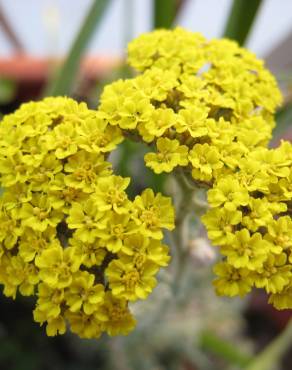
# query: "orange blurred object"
23,67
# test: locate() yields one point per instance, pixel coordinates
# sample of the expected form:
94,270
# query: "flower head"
66,219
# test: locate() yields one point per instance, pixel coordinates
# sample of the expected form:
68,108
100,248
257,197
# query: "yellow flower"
56,326
57,266
84,293
248,251
62,139
170,155
155,83
32,243
194,121
280,232
220,224
84,169
274,275
140,249
22,275
282,300
110,194
48,304
13,170
87,219
85,326
13,198
129,282
160,121
39,214
259,214
45,173
134,110
95,135
10,229
117,228
125,105
228,193
152,213
205,160
193,86
92,254
121,321
63,196
231,281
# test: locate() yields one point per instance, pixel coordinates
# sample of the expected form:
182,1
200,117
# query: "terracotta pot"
31,73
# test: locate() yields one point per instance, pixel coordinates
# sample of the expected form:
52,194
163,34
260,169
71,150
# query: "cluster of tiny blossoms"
68,232
200,104
250,220
207,108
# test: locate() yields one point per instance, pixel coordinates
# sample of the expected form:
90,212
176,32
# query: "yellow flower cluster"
250,221
201,104
68,232
208,107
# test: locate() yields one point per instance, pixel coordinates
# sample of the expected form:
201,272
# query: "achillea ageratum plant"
71,236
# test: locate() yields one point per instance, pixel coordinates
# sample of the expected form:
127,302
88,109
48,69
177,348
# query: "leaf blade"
241,18
65,77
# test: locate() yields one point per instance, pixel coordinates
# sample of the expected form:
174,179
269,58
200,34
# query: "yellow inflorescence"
202,104
69,234
207,107
250,221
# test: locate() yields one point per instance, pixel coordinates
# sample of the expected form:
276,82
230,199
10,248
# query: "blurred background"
75,47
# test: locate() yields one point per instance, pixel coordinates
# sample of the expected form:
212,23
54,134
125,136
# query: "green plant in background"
241,19
64,80
164,12
7,91
192,170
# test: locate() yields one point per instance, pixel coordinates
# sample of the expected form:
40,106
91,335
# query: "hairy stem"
181,236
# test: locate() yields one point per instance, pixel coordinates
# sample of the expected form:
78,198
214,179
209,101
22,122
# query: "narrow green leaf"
164,13
65,77
228,351
270,357
241,18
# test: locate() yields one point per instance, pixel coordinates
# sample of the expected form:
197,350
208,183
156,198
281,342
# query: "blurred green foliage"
7,90
64,79
241,19
211,342
164,13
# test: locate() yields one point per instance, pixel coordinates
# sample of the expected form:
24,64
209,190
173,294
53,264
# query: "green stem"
179,238
270,357
186,195
241,19
181,232
65,77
